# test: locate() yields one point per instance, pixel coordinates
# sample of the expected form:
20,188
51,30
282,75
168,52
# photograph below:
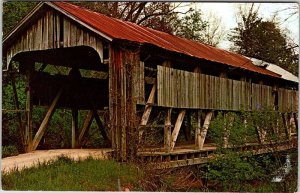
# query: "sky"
227,12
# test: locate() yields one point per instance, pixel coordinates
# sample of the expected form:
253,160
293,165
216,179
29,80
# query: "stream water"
280,174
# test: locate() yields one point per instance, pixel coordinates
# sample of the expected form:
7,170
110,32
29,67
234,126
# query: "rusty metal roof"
123,30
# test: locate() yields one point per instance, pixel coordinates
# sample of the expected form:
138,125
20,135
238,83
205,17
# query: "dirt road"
22,161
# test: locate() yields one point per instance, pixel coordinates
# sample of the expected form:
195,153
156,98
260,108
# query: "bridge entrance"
70,80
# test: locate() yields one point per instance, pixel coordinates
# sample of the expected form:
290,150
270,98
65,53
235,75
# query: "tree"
235,169
191,26
14,11
156,15
202,28
215,31
264,40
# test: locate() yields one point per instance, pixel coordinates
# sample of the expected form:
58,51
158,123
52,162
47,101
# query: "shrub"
9,150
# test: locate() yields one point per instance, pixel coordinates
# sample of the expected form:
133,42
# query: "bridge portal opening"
67,87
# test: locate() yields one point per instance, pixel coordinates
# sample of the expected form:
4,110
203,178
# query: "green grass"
65,174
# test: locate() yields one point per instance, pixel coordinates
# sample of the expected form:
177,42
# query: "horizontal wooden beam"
150,80
14,110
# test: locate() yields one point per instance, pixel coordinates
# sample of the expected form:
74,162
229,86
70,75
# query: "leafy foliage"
156,15
238,170
264,40
191,26
14,11
197,26
9,151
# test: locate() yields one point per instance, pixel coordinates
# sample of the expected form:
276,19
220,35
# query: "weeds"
65,174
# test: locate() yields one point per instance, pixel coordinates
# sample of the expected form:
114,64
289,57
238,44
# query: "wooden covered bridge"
141,76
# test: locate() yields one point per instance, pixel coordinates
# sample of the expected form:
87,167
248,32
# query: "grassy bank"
65,174
102,175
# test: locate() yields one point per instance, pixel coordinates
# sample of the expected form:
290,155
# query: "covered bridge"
141,73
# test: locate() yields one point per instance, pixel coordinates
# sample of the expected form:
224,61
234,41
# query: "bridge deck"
26,160
189,155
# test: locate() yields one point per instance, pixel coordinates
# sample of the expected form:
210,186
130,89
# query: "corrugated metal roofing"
274,68
118,29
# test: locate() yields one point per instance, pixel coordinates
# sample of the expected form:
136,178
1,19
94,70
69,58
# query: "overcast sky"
227,12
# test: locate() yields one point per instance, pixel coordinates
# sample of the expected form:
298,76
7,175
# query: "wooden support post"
198,129
29,106
204,129
177,128
101,127
147,111
16,101
296,121
85,127
167,131
74,127
261,134
285,125
289,123
198,118
38,136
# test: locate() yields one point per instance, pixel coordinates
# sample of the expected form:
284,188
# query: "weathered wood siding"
287,100
139,82
182,89
122,98
261,96
47,32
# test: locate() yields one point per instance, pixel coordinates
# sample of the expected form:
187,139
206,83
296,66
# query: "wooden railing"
182,89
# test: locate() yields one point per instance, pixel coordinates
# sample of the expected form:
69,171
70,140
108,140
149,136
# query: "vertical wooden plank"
29,106
50,27
179,88
198,129
124,114
159,103
204,93
46,31
168,93
167,131
186,86
72,37
142,82
296,121
175,96
35,37
111,96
